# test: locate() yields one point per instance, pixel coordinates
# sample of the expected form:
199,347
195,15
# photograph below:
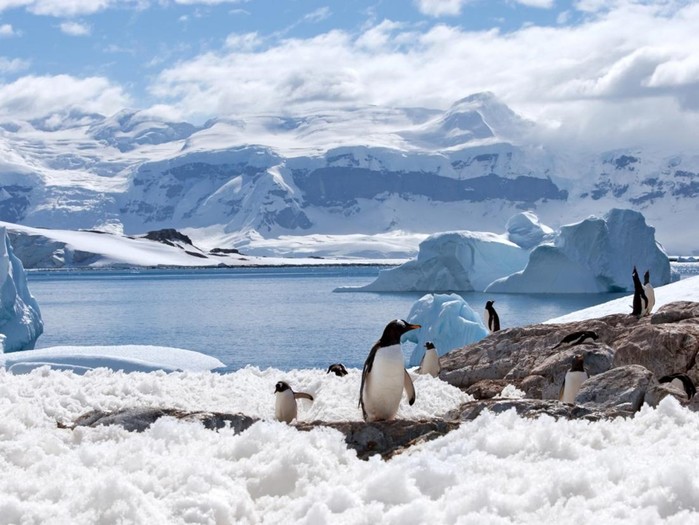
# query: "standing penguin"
492,320
285,403
639,296
429,364
575,377
650,294
384,376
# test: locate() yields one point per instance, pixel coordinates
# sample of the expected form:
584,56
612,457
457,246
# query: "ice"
452,261
20,317
445,319
595,255
525,230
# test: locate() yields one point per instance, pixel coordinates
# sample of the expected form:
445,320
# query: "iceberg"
20,317
525,230
595,255
458,261
447,320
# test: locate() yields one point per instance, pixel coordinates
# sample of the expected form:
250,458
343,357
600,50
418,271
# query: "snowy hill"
235,182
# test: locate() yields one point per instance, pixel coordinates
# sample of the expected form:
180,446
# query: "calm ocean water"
280,317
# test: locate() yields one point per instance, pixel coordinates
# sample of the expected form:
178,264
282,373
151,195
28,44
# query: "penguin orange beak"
414,326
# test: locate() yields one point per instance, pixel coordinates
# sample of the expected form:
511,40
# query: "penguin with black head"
384,376
492,319
338,369
285,408
430,361
640,301
573,379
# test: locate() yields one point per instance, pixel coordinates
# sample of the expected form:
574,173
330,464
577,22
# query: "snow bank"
452,261
127,358
684,290
592,256
446,320
518,470
20,317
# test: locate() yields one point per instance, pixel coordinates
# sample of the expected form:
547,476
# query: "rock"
656,392
537,407
623,387
168,236
487,388
676,312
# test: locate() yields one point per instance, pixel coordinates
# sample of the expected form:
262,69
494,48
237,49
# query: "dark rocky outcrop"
168,236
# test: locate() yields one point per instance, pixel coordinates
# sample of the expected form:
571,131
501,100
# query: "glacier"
595,255
20,317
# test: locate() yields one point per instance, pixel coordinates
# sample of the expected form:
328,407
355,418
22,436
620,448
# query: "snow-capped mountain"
367,170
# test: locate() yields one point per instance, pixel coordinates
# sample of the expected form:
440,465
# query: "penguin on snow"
682,382
429,364
384,376
577,338
338,369
640,301
650,294
492,320
573,379
285,403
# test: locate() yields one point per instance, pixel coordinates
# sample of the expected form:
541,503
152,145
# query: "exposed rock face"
664,343
624,386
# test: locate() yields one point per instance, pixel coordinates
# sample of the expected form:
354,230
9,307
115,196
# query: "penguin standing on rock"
285,404
338,369
640,301
492,320
650,294
574,378
430,361
384,376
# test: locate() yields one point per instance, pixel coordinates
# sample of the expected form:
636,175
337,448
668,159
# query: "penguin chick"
338,369
429,364
384,376
492,320
285,403
573,379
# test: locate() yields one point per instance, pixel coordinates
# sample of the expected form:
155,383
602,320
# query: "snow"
128,358
452,261
496,469
592,256
684,290
20,317
445,319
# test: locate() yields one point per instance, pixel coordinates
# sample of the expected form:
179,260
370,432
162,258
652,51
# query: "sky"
589,70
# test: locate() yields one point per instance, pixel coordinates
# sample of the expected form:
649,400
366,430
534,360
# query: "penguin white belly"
650,294
430,363
486,318
285,406
573,381
384,384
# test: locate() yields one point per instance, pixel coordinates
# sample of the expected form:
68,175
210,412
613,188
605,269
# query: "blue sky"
573,63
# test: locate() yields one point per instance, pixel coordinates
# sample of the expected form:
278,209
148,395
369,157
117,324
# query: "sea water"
286,317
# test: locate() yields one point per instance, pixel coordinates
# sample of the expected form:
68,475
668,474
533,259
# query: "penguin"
577,338
429,364
285,403
682,382
492,320
650,294
639,296
338,369
384,376
575,377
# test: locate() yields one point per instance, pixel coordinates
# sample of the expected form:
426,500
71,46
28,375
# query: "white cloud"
36,96
243,42
73,28
6,31
542,4
438,8
627,62
12,65
318,15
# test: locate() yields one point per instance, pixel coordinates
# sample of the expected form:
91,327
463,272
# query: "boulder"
624,387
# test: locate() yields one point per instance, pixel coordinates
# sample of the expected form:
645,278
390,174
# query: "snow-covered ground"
496,469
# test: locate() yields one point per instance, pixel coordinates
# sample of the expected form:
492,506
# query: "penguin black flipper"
409,387
640,301
302,395
563,389
365,371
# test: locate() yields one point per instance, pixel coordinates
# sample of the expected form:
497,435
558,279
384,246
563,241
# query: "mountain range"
247,182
